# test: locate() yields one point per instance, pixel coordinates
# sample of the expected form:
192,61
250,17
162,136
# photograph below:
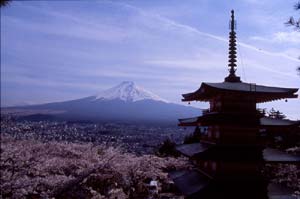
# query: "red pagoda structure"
230,153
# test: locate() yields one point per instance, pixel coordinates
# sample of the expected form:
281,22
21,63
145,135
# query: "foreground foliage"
32,169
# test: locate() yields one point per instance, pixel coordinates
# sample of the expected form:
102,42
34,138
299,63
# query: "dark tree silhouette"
193,138
262,112
296,24
4,2
168,149
276,114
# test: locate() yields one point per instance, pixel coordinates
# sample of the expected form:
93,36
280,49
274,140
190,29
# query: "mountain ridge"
125,102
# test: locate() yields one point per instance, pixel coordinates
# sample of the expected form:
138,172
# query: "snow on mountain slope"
127,91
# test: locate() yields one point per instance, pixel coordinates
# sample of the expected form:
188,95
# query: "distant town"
129,137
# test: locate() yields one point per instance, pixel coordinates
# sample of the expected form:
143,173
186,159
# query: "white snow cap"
128,91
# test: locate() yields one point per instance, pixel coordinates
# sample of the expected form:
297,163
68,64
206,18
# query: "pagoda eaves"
217,118
208,91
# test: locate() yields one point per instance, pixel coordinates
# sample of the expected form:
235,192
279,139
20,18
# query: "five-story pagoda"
230,153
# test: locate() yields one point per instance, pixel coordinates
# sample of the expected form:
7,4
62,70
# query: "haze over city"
62,50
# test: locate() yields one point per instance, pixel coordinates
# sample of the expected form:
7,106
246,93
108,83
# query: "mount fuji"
126,102
129,92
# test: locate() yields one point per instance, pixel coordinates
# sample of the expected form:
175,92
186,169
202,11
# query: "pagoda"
230,153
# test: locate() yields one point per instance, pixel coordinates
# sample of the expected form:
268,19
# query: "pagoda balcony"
232,112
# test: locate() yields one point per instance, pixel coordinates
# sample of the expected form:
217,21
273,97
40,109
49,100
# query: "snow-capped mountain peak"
127,91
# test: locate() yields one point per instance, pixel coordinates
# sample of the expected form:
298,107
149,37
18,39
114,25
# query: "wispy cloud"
75,29
280,37
31,81
170,23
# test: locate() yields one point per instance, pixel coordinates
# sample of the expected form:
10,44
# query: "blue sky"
61,50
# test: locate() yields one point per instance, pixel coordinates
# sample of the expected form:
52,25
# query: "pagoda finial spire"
232,52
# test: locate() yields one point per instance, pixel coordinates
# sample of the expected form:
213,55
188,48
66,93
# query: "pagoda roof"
189,182
276,191
261,93
212,151
193,149
266,121
274,155
219,117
